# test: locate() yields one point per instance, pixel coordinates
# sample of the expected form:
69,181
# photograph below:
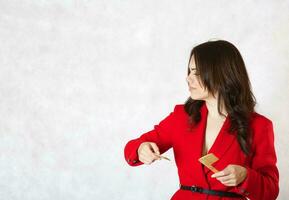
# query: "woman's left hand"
232,175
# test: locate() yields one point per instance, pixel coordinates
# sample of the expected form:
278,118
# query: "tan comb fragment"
208,160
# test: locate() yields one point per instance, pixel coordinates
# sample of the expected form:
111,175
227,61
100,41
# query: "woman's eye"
196,74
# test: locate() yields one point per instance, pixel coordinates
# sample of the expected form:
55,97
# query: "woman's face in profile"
194,82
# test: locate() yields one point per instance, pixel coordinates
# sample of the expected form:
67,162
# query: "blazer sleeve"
262,181
161,134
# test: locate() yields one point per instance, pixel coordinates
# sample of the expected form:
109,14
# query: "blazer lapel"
223,140
194,140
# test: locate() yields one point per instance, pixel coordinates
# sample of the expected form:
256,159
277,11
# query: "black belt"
210,192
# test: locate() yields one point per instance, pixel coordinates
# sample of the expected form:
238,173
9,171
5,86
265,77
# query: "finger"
226,184
155,148
225,178
230,183
150,162
154,156
220,174
224,172
149,153
149,156
146,156
148,150
145,160
158,157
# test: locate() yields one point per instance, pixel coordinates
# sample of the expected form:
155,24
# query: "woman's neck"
212,106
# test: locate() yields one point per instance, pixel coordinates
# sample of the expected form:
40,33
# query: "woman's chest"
212,130
189,147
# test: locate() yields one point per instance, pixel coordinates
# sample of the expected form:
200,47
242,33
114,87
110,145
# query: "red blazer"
262,181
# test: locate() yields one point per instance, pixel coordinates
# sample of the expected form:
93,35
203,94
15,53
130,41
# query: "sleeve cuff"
242,188
132,158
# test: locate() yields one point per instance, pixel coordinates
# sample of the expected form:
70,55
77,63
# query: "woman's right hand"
148,152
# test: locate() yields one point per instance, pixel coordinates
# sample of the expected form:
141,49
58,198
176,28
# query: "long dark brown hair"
221,69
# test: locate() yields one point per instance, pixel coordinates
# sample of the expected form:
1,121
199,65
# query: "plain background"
79,79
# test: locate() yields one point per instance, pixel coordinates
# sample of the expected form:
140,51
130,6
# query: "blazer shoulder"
260,120
179,108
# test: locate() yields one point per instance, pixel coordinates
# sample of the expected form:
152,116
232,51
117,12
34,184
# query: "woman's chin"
194,97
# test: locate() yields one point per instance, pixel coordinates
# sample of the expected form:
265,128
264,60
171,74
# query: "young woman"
218,118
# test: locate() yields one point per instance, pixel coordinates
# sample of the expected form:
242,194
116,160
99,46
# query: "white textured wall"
78,79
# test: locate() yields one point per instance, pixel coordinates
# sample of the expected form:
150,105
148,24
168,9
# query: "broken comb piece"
208,160
165,158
